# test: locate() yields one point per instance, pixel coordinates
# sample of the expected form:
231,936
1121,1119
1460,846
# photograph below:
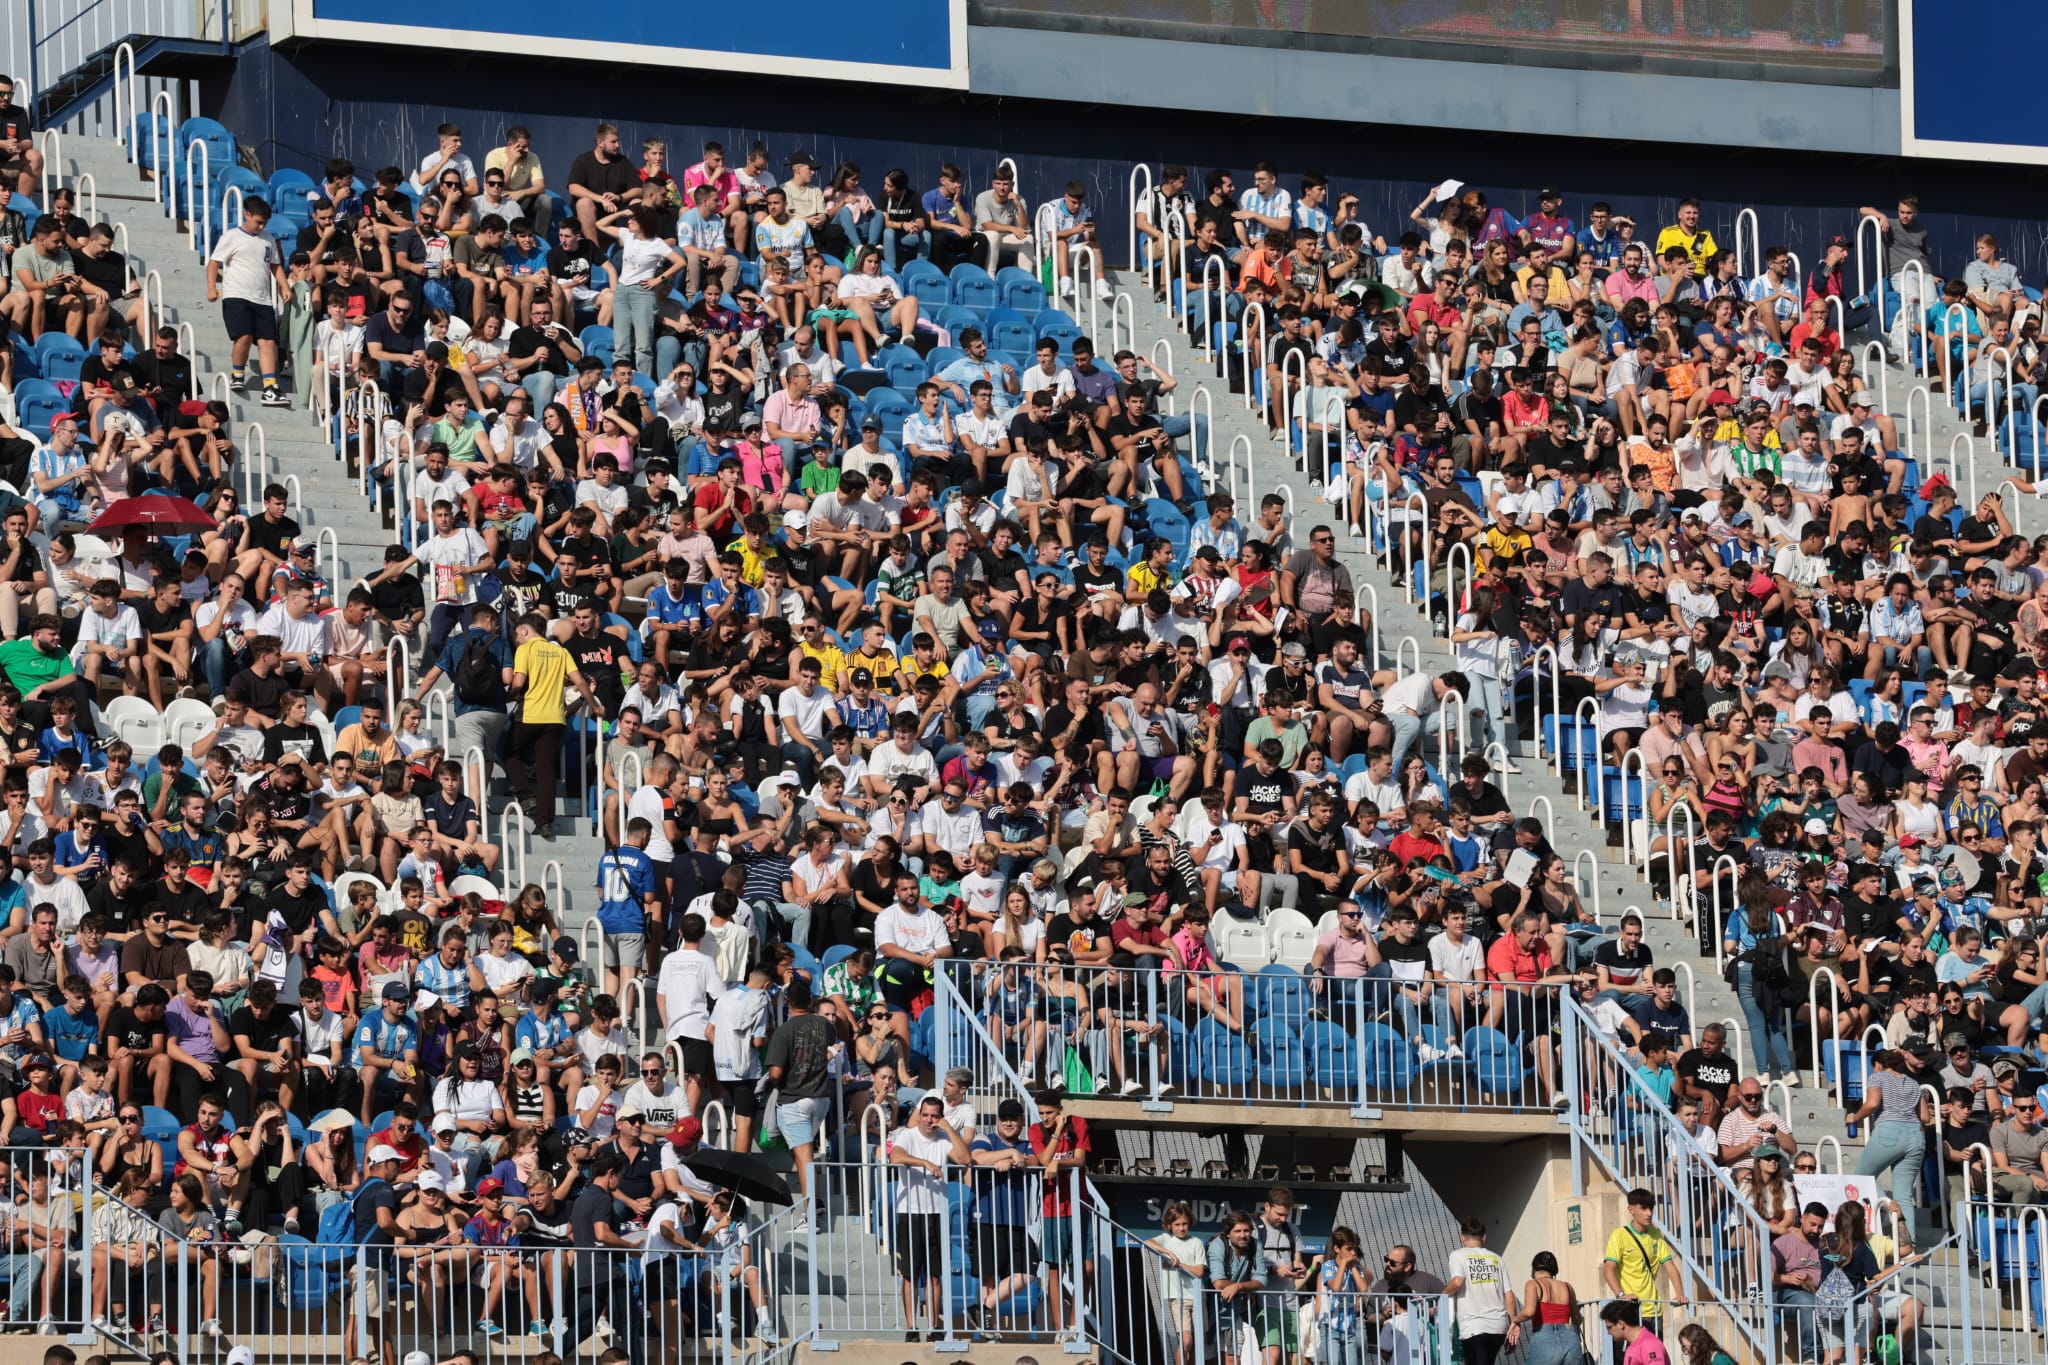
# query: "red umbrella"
157,515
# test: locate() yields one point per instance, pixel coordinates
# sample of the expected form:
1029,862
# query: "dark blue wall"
297,108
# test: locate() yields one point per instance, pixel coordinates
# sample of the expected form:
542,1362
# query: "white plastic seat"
483,886
1241,943
135,720
349,879
1292,937
185,720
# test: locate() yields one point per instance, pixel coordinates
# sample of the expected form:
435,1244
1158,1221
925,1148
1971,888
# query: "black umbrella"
744,1174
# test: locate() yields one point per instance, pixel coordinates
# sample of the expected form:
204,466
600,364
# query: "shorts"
1056,1242
1277,1323
1000,1250
740,1097
245,318
798,1121
625,950
697,1059
917,1245
1180,1316
1161,768
833,315
901,982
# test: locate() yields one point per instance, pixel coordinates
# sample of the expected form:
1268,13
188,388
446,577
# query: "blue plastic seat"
58,357
596,339
972,287
904,366
1225,1060
1019,289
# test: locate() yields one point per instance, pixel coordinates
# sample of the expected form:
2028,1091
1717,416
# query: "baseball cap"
870,424
1954,1042
519,1054
422,1002
122,382
1549,192
1838,240
576,1137
1235,643
991,630
862,677
489,1186
631,1111
749,420
1918,1048
1816,826
437,351
1010,1111
795,521
431,1180
241,1355
302,546
803,159
1208,552
38,1063
444,1122
396,990
417,1358
566,949
1910,841
687,1129
383,1151
1863,398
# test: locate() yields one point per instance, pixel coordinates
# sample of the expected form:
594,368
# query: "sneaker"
766,1332
1132,1086
1429,1052
1454,1053
47,1327
359,863
1102,290
1067,288
1560,1104
273,397
101,1324
291,1223
210,1328
238,382
539,1329
1165,1089
604,1326
561,1327
488,1328
157,1327
232,1224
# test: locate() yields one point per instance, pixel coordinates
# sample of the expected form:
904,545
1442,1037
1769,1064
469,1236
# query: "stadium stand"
855,616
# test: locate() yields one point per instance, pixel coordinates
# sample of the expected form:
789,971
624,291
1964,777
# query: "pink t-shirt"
726,185
1645,1350
1193,953
1344,957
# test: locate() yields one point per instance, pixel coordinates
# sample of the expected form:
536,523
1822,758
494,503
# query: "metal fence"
1273,1037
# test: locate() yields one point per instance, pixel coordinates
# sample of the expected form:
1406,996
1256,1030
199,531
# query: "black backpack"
478,679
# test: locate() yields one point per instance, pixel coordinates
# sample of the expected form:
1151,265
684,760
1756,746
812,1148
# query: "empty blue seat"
1019,289
596,340
972,287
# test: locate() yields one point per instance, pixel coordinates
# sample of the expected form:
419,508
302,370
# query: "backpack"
338,1221
478,679
1835,1297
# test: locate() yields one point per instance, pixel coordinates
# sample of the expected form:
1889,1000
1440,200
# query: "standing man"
1636,1254
478,663
799,1060
1061,1147
540,670
244,274
923,1149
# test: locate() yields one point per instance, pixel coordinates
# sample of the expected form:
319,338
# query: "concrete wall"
1516,1187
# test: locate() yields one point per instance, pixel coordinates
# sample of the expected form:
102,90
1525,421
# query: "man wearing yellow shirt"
815,644
1687,232
533,744
1636,1253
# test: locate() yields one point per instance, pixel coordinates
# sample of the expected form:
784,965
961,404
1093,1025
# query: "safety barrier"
198,201
1250,1033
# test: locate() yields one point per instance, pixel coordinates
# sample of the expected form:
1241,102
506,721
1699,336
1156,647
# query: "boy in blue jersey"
674,612
545,1034
629,898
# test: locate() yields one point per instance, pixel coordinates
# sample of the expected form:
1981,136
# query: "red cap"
1719,396
490,1185
687,1129
1236,642
1910,841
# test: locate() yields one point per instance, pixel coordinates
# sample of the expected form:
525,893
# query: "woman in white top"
1798,651
1913,813
1484,656
867,297
646,266
499,971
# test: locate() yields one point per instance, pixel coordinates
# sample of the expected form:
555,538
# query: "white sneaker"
1133,1086
210,1328
604,1326
1067,288
1454,1053
1102,290
1429,1053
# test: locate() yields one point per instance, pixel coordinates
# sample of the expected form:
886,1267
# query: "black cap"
437,351
803,159
871,423
1010,1111
1549,192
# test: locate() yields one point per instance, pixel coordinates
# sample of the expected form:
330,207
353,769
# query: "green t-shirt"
820,478
28,667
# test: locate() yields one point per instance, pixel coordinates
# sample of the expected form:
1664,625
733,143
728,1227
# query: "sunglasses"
131,1118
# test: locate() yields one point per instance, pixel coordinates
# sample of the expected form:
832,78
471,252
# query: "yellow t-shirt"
1637,1257
1143,578
882,666
751,561
547,667
831,662
908,671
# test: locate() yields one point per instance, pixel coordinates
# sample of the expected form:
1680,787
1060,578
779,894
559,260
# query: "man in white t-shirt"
807,712
739,1030
909,941
244,274
684,992
436,482
453,556
902,756
923,1149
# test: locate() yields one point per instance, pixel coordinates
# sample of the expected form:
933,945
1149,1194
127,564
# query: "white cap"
383,1151
241,1355
424,1001
444,1122
431,1180
799,520
411,1358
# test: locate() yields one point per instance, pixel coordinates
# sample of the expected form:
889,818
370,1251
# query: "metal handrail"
199,227
1143,171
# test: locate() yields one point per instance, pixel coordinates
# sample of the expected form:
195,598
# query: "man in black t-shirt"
596,650
602,181
260,1030
1706,1074
21,164
1138,438
538,355
162,375
297,901
396,596
166,620
137,1044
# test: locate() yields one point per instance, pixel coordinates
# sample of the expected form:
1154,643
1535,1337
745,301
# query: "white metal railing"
162,136
1253,374
1140,173
1920,436
1212,299
1749,251
199,198
1965,440
1864,285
